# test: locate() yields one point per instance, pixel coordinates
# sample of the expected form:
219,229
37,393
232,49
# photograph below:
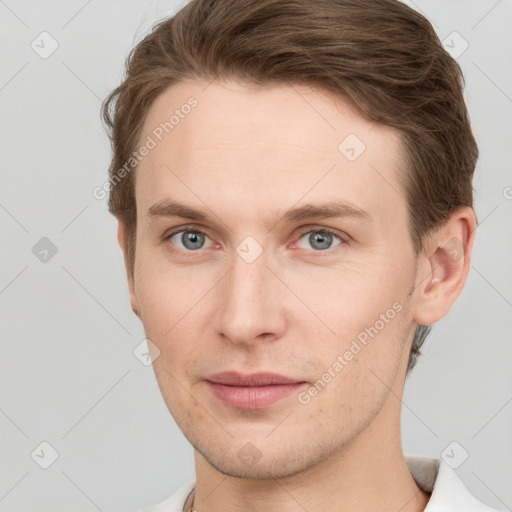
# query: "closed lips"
251,391
251,380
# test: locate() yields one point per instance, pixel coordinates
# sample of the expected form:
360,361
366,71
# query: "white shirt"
448,493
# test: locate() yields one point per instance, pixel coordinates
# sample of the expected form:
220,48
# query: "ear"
122,237
444,266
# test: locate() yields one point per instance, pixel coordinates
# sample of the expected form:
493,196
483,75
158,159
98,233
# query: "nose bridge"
250,304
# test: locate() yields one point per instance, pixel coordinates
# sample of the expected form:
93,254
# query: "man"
292,181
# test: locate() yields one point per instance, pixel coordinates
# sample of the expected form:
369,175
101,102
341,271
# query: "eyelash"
344,239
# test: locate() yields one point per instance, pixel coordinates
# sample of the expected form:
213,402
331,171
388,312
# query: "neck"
367,475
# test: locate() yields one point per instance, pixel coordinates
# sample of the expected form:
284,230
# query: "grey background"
68,373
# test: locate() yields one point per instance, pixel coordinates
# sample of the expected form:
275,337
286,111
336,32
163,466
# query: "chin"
261,470
246,460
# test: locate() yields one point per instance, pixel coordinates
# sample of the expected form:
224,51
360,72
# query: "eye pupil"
324,240
192,240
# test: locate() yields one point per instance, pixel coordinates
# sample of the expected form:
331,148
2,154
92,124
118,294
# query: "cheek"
350,297
361,317
170,302
168,296
355,375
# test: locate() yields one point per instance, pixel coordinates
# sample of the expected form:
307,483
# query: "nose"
251,305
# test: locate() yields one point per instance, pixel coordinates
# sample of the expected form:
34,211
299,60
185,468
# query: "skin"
247,155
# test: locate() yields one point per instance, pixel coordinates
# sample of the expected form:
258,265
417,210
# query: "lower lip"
252,397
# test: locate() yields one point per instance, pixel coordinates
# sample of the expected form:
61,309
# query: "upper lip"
253,379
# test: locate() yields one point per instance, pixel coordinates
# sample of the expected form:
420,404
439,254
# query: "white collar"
448,492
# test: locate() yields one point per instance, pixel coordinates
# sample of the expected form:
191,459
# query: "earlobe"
447,262
122,237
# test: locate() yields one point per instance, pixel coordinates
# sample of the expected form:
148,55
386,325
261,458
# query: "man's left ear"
444,266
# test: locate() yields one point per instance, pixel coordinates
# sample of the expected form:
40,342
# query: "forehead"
225,140
306,118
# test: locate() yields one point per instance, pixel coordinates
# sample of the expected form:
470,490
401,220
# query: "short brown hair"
380,54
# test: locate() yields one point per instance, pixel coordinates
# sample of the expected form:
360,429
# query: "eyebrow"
329,210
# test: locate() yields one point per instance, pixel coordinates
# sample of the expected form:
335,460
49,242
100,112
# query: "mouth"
251,391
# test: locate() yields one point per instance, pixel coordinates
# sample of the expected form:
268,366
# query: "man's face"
250,289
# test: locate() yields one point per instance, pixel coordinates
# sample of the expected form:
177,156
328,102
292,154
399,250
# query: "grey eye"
319,240
190,240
